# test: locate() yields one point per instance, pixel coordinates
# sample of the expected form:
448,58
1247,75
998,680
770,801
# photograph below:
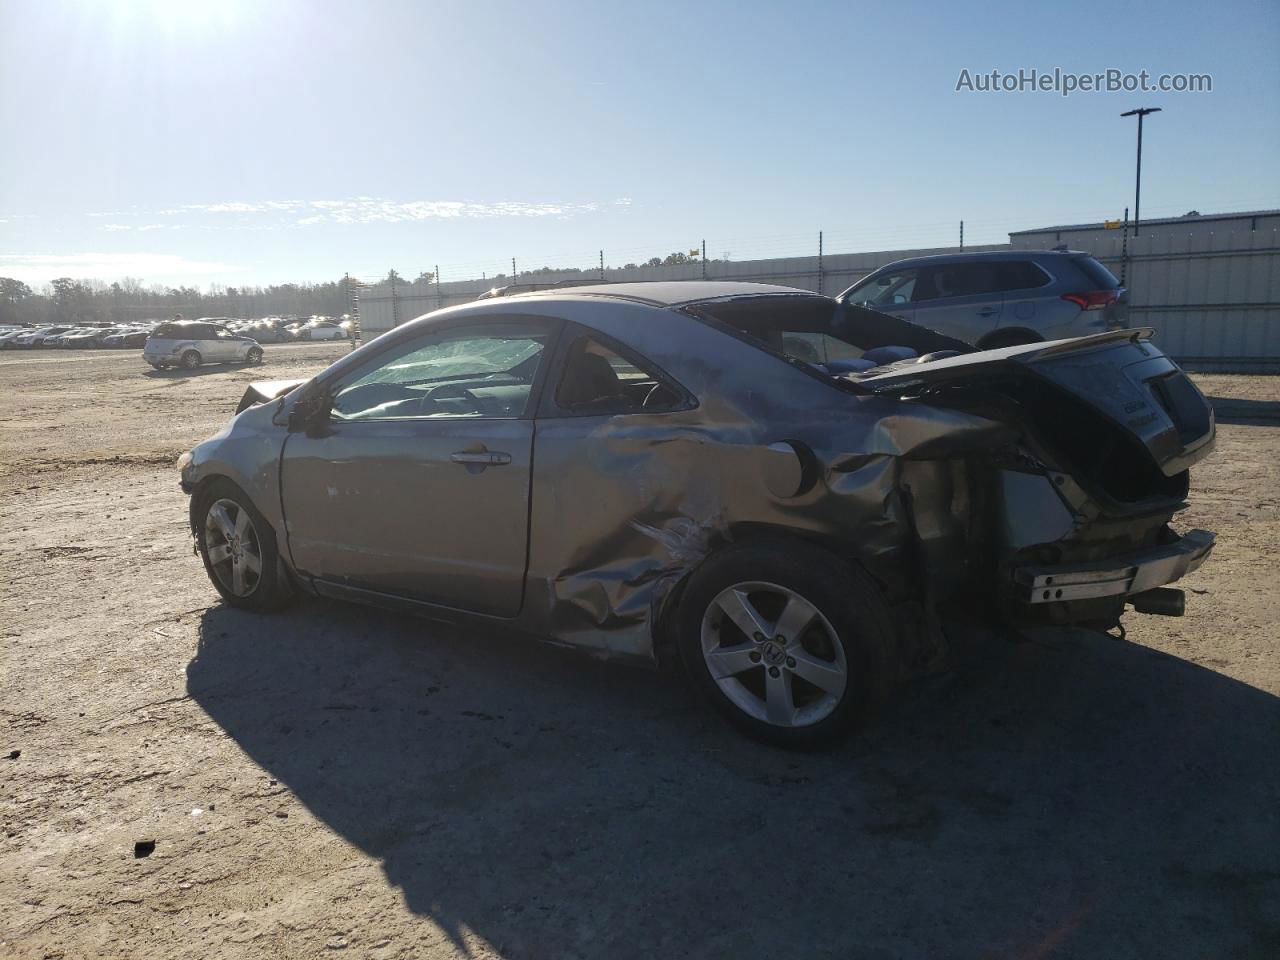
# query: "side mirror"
310,415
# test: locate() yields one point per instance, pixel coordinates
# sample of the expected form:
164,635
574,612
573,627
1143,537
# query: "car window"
485,371
814,347
1097,273
945,280
891,288
597,380
1020,275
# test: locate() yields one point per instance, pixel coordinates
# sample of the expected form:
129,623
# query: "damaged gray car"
785,496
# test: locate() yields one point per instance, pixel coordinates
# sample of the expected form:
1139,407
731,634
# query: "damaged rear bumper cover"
1123,576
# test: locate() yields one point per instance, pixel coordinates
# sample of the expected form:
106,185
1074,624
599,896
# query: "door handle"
987,312
486,458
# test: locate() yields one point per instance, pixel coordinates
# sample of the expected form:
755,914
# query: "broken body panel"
975,474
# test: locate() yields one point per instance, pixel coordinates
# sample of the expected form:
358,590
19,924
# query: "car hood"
261,391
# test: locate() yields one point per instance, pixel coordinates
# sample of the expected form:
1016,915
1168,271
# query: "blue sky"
255,141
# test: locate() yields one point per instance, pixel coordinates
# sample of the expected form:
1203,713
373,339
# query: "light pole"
1137,190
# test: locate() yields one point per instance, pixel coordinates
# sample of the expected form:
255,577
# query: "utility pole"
704,259
1124,248
1137,189
439,297
601,264
820,274
514,275
961,234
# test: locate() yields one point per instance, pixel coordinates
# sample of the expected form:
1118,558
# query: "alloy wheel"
234,551
774,654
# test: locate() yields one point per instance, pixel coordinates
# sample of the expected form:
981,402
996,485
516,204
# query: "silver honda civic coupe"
785,497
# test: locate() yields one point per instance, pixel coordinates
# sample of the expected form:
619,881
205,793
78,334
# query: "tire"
764,682
190,359
157,366
231,537
254,355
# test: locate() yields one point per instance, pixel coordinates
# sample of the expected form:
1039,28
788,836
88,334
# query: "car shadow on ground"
1073,795
178,373
1255,412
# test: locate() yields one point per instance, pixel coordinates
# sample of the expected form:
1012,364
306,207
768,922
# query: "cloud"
380,210
142,227
362,210
39,268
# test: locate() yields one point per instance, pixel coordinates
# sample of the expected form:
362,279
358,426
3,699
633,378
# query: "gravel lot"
334,779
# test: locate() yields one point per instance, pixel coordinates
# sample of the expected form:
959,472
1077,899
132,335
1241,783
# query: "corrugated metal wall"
1213,297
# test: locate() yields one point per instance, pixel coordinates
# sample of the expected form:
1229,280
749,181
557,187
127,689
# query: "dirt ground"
333,780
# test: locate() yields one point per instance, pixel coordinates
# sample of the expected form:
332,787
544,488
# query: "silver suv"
189,343
1000,298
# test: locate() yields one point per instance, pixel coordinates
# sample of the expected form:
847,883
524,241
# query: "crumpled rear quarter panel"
624,506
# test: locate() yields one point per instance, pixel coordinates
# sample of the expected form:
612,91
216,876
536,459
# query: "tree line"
66,301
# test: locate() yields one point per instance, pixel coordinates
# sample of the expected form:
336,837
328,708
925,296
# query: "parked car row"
70,337
134,335
283,329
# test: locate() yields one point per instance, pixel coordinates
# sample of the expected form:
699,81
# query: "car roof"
666,293
976,257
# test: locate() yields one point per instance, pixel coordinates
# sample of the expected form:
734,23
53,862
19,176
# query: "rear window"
1098,275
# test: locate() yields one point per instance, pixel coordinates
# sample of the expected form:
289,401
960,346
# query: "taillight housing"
1093,299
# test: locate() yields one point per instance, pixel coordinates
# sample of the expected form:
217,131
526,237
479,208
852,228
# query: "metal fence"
1212,297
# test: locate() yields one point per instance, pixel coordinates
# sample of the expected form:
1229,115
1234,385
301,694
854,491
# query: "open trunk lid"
1070,390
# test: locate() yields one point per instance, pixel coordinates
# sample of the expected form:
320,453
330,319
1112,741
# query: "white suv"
189,343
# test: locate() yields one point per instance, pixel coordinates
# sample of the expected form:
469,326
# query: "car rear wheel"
788,641
239,549
190,359
254,355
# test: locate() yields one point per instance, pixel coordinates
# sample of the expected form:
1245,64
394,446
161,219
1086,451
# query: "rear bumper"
1123,576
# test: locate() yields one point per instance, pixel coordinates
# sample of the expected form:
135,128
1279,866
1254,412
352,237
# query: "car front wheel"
254,355
789,642
190,359
239,548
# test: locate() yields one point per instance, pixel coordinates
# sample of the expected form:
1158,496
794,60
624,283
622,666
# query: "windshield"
883,289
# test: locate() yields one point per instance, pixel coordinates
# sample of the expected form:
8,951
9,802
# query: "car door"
227,345
212,348
959,299
1023,284
419,485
